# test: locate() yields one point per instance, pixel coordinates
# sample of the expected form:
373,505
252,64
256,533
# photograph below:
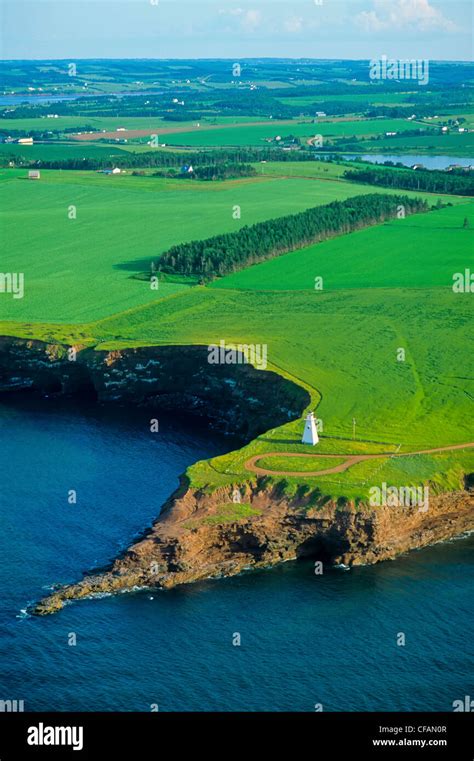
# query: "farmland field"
122,222
109,123
58,151
420,252
79,122
96,256
443,145
255,135
384,288
423,401
375,98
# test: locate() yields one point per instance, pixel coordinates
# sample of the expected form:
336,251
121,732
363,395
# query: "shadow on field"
135,265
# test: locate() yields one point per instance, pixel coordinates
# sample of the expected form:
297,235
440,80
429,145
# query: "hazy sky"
434,29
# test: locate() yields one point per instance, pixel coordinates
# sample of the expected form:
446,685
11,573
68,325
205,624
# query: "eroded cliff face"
236,398
191,540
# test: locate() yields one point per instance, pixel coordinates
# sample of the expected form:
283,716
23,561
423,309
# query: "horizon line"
241,58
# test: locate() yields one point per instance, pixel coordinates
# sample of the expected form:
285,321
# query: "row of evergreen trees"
223,171
227,253
433,181
158,157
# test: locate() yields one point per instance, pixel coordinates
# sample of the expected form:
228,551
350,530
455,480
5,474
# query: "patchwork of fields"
84,268
421,252
343,345
256,135
85,242
58,151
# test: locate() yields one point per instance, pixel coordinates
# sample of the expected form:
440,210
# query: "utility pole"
353,427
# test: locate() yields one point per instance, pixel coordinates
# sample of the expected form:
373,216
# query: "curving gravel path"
251,465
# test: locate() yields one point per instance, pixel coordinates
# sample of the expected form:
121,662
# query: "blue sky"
434,29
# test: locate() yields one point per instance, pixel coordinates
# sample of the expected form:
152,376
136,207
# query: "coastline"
201,534
189,542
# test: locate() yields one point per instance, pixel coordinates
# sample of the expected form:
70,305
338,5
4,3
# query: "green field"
59,151
301,464
79,122
256,135
454,144
86,268
385,99
320,169
385,289
392,255
342,346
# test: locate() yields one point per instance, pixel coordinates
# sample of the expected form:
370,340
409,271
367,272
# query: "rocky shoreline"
189,543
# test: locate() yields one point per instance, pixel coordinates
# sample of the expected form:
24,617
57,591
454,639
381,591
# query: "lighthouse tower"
310,434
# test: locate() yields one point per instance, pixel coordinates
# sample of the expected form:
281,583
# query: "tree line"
158,157
223,254
210,172
433,181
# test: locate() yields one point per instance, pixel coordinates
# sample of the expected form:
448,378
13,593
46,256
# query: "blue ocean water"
305,639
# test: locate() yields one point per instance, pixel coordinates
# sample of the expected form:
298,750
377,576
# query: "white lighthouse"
310,434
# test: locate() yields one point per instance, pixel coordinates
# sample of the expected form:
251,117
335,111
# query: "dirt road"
341,467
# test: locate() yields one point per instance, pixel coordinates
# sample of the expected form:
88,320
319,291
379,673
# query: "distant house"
34,174
25,141
187,169
115,170
454,166
417,166
320,113
390,134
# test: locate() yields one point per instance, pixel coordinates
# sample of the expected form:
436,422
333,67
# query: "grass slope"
83,269
256,135
422,251
341,344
